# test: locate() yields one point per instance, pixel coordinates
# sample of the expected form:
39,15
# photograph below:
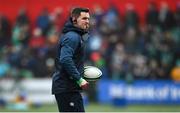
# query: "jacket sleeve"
68,46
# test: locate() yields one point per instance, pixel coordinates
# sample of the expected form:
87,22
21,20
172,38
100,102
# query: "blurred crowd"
121,45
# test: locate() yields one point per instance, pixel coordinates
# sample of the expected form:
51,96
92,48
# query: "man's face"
83,21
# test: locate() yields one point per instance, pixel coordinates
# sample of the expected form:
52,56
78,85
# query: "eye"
85,18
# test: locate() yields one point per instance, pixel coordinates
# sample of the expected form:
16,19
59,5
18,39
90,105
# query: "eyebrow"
85,17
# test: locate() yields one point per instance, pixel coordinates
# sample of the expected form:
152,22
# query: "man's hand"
83,83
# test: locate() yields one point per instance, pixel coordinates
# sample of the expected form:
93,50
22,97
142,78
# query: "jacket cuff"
79,81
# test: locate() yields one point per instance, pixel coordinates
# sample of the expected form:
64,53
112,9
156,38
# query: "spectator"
131,18
43,21
20,35
4,31
22,18
57,18
117,61
152,13
166,17
177,15
37,40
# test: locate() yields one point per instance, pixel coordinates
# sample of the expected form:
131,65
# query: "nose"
87,21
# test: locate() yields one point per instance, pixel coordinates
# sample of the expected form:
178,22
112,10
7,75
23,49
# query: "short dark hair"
77,11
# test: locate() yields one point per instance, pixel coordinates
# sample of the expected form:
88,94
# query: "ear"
74,20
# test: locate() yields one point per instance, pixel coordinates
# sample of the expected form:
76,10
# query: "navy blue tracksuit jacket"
69,60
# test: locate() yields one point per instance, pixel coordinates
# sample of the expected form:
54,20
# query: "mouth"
86,26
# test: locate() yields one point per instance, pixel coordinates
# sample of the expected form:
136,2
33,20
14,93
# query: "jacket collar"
70,27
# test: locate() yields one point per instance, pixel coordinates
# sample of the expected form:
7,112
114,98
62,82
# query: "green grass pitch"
95,107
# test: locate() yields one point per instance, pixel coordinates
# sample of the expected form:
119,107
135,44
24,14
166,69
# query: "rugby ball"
92,73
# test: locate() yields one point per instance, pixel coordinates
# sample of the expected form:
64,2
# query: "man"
67,79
